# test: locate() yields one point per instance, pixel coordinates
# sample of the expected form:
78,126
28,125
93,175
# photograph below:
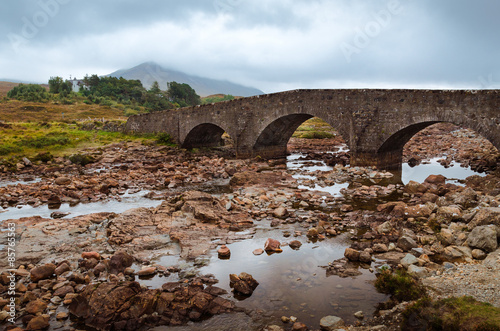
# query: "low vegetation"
399,284
216,98
457,314
43,140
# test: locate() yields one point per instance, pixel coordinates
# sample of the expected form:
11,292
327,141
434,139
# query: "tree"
183,94
155,88
58,85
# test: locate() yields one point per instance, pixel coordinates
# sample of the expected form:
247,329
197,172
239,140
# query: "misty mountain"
149,72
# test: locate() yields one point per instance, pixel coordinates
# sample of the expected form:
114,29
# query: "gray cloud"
271,45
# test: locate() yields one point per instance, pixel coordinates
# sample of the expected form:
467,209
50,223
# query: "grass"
57,138
315,128
456,314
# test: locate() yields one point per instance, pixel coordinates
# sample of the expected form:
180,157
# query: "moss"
464,313
81,159
400,285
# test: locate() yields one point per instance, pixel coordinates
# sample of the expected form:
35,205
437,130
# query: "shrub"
44,157
29,92
164,139
80,159
400,285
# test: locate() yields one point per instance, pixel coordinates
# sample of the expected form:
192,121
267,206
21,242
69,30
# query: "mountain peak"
149,72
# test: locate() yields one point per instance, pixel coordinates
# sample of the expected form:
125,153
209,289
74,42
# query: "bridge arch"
204,135
391,150
273,138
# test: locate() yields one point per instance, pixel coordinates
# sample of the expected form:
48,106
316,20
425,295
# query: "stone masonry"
375,123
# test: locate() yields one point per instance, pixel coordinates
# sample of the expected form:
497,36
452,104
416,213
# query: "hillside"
149,72
6,87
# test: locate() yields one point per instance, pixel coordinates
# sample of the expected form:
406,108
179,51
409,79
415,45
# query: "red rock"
272,245
295,244
89,255
258,251
298,326
62,181
42,272
38,323
62,269
224,252
62,291
148,271
35,307
435,179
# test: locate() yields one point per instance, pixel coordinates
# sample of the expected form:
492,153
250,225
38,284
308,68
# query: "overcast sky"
273,45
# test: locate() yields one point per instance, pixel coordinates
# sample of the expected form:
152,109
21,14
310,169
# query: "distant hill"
149,72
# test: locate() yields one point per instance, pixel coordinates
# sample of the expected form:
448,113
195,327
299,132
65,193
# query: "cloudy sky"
273,45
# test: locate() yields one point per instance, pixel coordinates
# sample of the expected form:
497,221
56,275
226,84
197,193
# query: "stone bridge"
375,123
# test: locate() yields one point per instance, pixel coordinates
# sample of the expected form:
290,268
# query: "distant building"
76,84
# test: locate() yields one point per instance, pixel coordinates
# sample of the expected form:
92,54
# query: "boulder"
40,322
298,326
406,243
435,179
312,233
478,254
36,307
272,245
295,244
408,260
483,237
62,181
351,254
330,323
418,271
258,251
385,227
446,214
42,272
486,216
365,257
243,284
119,261
380,248
224,252
414,187
280,212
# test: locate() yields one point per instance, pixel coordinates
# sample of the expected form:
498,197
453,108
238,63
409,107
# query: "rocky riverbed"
154,267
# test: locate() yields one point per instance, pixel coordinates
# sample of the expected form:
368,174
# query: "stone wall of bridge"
375,123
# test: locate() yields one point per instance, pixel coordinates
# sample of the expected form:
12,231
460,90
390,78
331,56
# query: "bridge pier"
390,160
264,152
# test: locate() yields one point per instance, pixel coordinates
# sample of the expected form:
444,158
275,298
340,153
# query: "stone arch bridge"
375,123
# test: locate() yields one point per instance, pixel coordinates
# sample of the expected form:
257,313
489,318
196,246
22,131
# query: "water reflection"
127,201
420,172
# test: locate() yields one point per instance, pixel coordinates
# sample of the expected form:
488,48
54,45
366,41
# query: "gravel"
480,280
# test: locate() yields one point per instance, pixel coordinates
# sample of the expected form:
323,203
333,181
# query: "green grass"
59,139
456,314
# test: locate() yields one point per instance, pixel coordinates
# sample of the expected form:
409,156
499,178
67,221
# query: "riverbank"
156,266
